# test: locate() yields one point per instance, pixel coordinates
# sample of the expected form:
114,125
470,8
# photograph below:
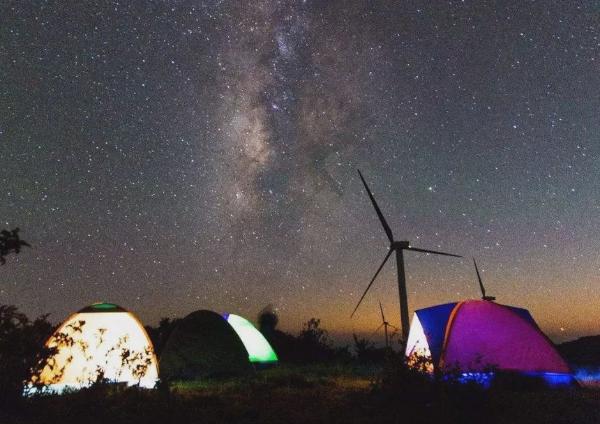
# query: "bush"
407,385
21,350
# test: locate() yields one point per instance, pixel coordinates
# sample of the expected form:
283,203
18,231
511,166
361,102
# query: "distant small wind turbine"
483,296
385,326
399,247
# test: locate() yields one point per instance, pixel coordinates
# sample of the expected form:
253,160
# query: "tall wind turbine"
399,247
483,296
385,326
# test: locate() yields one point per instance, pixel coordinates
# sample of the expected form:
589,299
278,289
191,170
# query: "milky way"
184,155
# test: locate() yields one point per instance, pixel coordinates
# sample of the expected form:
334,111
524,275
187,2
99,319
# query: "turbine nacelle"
400,245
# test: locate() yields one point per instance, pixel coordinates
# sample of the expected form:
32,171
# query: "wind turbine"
483,296
385,326
399,247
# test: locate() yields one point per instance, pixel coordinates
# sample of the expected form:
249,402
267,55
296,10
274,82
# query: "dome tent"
203,344
260,352
477,336
101,341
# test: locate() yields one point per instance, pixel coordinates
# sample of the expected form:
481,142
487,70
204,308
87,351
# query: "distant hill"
584,351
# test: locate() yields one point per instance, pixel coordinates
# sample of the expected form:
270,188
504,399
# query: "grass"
316,394
278,378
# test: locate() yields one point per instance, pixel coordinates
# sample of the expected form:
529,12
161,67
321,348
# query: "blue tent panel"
524,313
434,321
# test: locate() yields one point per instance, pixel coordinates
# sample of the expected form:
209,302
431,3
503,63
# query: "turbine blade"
394,327
381,309
375,332
384,223
479,278
372,280
434,252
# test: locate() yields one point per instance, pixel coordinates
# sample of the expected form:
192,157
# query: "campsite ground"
332,394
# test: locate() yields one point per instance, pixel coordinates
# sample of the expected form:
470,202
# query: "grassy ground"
308,395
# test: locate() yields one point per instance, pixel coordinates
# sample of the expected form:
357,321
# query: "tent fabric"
433,321
478,335
523,313
103,307
98,341
258,348
417,349
484,334
203,344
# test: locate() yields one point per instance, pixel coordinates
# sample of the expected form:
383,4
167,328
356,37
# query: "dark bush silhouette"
585,351
312,345
410,391
314,342
366,353
21,350
160,335
267,321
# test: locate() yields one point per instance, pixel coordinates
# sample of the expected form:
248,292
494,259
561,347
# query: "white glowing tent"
102,340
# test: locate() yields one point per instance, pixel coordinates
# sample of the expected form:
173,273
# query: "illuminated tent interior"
259,350
203,344
100,340
478,336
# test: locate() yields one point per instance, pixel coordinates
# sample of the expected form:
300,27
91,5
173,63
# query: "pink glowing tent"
478,335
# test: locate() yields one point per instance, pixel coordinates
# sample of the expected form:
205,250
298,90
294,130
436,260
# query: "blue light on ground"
589,376
554,380
551,380
483,379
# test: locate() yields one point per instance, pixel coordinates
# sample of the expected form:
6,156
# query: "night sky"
174,156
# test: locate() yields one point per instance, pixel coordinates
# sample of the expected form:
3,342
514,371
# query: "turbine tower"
483,296
399,247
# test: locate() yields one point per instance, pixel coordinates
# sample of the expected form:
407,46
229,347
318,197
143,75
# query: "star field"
172,156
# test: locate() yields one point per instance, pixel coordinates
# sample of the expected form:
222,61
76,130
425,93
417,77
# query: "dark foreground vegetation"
310,394
314,383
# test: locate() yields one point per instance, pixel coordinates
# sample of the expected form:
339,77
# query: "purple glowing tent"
476,335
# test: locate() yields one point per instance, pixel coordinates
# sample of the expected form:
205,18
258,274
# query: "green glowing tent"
207,344
202,345
259,350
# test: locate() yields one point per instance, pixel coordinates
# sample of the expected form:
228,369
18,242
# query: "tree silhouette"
267,321
160,335
10,242
313,334
21,350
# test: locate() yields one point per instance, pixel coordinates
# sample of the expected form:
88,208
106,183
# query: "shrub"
21,350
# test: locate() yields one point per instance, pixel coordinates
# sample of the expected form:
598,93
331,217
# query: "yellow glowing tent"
100,342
